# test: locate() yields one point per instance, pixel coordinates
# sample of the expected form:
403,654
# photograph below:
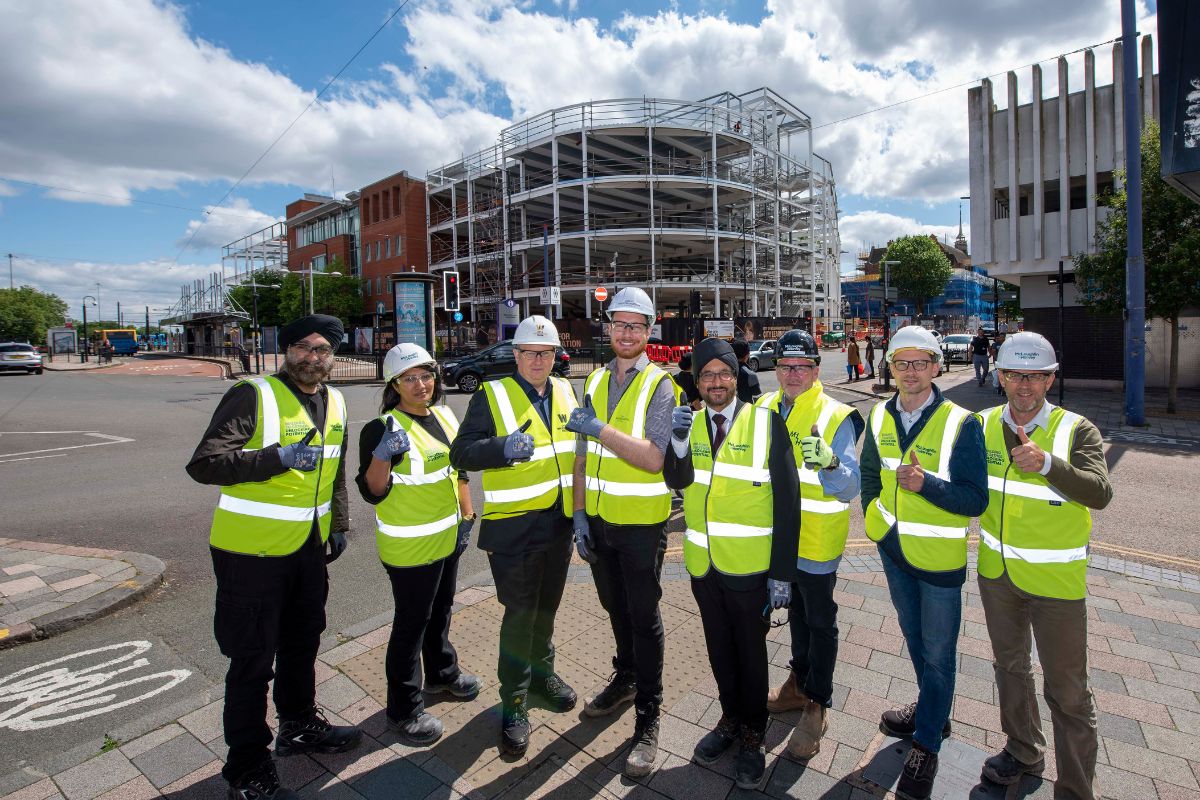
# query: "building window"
379,284
396,199
398,250
1000,205
1050,199
387,247
367,254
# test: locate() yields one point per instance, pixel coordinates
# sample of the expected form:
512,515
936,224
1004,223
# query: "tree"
923,272
1171,246
269,290
26,313
339,297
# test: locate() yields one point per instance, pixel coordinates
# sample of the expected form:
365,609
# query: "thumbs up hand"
1027,456
583,420
301,455
911,476
816,454
518,445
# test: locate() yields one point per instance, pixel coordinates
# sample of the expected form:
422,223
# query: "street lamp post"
84,348
887,321
311,285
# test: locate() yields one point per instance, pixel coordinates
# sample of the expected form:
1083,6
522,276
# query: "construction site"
719,207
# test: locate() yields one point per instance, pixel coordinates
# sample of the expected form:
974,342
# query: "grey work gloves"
681,422
393,443
781,593
464,535
817,454
582,534
518,445
584,420
337,545
301,455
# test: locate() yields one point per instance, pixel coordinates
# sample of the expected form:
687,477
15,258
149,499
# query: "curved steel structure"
722,195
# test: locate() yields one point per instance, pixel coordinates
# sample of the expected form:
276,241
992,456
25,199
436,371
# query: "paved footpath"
1144,625
46,588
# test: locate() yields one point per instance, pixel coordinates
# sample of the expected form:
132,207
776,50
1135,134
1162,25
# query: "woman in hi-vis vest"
423,520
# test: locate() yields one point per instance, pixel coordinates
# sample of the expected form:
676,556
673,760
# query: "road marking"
47,694
110,439
1149,438
32,458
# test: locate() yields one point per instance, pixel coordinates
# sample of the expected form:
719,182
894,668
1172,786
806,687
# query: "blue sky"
150,111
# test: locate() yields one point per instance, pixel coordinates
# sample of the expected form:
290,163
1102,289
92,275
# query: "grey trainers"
1005,770
464,687
418,730
641,757
620,690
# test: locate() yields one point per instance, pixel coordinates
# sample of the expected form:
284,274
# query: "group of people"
766,489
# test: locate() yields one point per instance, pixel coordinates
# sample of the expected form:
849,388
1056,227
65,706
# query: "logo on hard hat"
541,329
1027,356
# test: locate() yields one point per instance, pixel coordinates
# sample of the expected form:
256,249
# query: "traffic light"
450,291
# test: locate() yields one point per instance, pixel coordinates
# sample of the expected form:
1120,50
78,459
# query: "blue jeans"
982,364
929,617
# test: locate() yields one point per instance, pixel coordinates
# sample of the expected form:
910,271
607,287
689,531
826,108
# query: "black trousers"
530,587
627,571
812,619
270,612
735,630
423,598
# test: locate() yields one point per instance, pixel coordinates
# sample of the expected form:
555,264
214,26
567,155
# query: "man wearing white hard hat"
923,478
621,510
515,432
1046,469
423,519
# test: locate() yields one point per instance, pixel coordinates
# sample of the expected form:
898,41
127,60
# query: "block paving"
1146,694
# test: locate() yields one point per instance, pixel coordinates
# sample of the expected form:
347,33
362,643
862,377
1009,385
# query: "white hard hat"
634,300
1027,350
914,337
537,330
404,357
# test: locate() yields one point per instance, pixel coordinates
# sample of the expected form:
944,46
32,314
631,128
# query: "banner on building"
1179,94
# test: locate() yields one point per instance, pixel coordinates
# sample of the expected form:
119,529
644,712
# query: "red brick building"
393,234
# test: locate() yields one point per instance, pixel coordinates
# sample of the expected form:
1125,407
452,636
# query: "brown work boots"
805,741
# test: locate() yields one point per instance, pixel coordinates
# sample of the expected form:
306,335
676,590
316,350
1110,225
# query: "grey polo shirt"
658,416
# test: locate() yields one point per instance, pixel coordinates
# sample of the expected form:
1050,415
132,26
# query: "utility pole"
1059,353
148,327
887,321
119,325
10,275
1135,264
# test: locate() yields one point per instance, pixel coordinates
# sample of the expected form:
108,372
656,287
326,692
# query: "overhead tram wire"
971,82
291,124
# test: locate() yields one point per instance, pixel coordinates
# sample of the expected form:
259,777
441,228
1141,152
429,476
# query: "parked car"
956,347
497,361
17,357
762,354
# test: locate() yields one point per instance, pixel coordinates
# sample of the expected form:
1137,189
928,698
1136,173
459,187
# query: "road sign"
510,303
458,316
601,293
550,296
876,293
379,308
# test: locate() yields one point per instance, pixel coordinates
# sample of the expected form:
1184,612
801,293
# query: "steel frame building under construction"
723,196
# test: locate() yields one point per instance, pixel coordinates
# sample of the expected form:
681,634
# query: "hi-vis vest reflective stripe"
824,520
274,517
535,484
617,491
728,509
417,523
931,538
1029,529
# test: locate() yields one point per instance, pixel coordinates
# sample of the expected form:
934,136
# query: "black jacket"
785,489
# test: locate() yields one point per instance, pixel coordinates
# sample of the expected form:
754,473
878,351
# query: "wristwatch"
837,462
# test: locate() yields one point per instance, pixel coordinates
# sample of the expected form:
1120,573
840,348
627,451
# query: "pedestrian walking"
870,357
274,446
1046,469
423,521
735,465
853,360
981,352
923,478
515,432
748,388
823,433
621,510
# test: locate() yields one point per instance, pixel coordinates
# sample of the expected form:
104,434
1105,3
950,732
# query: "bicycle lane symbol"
53,693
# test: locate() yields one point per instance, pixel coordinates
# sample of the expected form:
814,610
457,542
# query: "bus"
124,341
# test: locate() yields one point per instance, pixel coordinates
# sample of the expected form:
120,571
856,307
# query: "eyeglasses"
790,369
920,365
629,327
420,377
536,355
725,376
1035,378
322,351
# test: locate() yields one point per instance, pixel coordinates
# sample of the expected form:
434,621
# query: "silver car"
18,357
956,347
762,354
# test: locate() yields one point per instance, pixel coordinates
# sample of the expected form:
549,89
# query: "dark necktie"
719,435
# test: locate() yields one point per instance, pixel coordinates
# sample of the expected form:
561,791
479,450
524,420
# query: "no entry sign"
601,293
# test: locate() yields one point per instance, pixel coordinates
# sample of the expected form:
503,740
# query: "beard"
308,373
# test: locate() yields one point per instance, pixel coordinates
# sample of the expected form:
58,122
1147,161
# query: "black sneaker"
916,779
751,760
464,687
621,689
554,693
418,730
1005,770
640,761
716,741
312,733
261,783
901,722
514,731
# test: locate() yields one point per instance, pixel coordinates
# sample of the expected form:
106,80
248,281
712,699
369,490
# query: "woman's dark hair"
391,397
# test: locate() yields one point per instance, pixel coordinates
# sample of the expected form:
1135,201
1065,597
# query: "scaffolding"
722,196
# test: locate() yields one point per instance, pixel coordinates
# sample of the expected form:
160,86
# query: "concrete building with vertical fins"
722,196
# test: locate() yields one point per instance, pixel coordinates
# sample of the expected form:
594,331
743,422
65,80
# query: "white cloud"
868,229
147,283
226,224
